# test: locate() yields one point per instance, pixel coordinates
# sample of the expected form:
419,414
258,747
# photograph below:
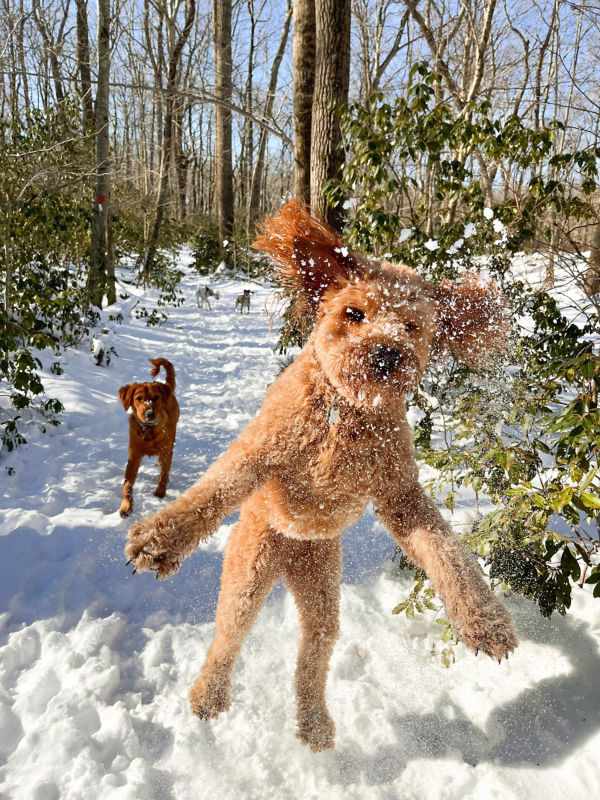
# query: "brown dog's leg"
164,462
131,471
312,572
250,570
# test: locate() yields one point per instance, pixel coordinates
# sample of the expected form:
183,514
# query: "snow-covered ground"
95,663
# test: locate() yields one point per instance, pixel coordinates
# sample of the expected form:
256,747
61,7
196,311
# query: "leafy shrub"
44,225
164,276
205,249
525,437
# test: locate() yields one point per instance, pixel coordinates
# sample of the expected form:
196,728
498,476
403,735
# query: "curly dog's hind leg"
312,572
250,570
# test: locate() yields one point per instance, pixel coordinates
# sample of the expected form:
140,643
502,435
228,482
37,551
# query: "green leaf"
588,479
538,500
448,657
569,565
562,499
589,500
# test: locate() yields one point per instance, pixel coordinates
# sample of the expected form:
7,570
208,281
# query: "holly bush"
44,225
523,438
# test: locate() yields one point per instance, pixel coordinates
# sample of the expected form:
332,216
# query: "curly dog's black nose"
384,360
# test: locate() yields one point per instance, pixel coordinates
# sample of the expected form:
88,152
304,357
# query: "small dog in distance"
202,295
243,301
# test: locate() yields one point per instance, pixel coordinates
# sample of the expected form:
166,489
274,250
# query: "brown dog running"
152,424
331,437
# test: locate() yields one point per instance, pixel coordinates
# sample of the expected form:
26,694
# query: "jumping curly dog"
152,424
331,437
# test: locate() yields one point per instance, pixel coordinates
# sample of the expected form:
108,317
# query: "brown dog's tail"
169,369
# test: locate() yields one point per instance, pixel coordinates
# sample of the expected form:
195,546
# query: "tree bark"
83,61
97,276
592,275
223,135
254,207
51,47
303,43
171,100
21,52
332,77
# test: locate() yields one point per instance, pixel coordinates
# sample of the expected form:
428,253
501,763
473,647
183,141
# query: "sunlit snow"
95,664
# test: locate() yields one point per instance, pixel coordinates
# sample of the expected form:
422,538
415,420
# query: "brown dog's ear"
471,320
309,255
126,395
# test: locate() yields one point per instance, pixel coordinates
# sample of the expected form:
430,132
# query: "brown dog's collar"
144,427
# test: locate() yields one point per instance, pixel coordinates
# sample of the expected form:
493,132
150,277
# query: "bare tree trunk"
332,77
167,142
538,115
182,162
554,216
97,276
371,24
21,49
51,47
83,61
247,145
592,276
304,83
223,143
254,207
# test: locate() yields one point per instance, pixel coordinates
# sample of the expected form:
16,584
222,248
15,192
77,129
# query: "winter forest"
146,148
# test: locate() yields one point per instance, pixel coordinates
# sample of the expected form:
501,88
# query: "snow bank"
95,663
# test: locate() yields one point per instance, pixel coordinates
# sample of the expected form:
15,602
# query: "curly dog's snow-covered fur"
331,437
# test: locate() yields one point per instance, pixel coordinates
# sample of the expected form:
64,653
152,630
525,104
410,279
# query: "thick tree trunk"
592,276
51,49
21,50
332,77
167,140
97,276
83,61
223,149
304,84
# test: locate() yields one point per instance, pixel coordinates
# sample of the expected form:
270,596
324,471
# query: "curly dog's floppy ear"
471,320
309,255
126,395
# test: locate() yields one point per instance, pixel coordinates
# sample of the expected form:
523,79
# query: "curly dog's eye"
410,326
355,314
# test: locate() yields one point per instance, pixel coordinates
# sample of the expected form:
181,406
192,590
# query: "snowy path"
95,664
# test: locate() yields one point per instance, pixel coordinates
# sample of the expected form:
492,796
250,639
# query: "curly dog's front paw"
316,728
152,549
491,630
209,698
